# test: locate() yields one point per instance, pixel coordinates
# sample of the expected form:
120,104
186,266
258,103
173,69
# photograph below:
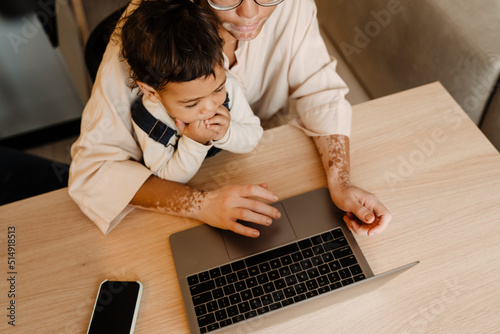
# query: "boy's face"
195,100
245,21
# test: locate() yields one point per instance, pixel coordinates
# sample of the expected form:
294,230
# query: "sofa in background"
394,45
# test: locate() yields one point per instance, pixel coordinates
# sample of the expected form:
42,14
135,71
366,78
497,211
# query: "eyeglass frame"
214,6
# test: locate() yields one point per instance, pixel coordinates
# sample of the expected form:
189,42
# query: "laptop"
306,260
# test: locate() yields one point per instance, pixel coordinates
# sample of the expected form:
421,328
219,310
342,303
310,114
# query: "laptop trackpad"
279,233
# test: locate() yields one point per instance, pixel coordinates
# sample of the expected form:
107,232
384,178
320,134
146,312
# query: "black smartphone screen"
115,307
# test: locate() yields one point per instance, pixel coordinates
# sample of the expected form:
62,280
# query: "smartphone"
116,307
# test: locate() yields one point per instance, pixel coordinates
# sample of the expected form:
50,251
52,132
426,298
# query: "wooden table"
416,150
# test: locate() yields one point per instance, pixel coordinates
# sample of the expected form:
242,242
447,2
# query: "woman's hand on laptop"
365,214
223,207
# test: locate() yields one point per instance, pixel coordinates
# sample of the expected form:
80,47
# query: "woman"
274,49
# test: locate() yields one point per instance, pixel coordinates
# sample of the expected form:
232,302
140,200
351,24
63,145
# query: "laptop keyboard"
272,280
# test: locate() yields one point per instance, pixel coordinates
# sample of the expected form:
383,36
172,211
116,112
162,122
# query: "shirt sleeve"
244,130
167,162
106,171
313,80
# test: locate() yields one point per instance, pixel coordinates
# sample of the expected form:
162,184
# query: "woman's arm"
365,214
219,208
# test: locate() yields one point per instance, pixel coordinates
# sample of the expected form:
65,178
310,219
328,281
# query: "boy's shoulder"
158,111
145,116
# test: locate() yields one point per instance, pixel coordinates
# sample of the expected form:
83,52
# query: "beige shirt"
287,60
181,158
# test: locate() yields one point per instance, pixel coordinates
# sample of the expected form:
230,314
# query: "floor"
57,151
96,10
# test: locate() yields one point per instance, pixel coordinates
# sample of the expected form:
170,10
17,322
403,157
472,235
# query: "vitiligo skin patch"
337,161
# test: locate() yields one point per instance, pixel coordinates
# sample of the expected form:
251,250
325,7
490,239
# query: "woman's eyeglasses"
232,4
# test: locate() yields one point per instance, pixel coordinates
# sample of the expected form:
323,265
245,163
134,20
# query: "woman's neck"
230,45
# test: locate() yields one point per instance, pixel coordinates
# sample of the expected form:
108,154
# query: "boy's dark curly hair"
170,41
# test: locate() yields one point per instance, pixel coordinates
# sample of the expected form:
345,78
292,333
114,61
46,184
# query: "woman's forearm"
334,153
168,197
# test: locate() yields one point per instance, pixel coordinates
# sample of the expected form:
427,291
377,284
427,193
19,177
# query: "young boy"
175,56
